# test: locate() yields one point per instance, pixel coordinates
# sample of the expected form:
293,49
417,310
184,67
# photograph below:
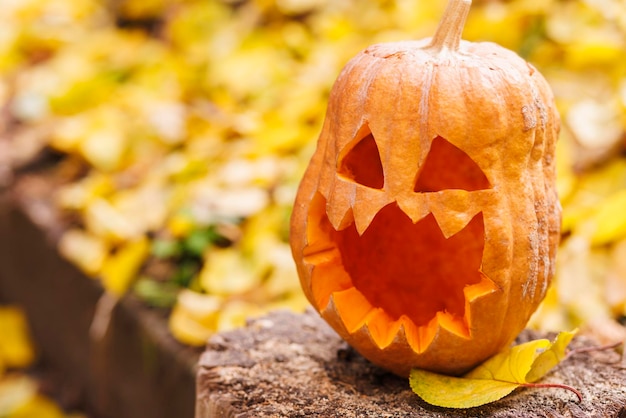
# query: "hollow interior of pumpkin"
411,269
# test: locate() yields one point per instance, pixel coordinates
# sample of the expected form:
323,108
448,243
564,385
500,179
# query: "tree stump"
289,365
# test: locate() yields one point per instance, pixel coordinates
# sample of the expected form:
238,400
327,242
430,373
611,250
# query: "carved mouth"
397,274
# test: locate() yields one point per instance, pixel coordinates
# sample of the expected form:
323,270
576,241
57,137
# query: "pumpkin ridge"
325,280
346,301
381,328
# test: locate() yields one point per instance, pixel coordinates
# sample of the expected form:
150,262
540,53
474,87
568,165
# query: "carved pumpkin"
426,225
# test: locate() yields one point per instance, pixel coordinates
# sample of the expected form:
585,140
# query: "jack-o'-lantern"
426,225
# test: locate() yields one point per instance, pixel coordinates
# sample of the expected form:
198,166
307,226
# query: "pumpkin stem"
450,29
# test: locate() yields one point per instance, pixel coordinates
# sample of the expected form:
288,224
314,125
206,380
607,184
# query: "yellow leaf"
103,219
235,313
510,365
180,224
19,399
121,268
15,390
227,272
142,10
605,49
500,375
16,348
566,178
610,222
104,148
457,392
592,189
38,406
295,301
78,195
195,316
582,271
549,358
85,250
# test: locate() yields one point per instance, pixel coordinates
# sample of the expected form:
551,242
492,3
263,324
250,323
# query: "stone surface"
288,365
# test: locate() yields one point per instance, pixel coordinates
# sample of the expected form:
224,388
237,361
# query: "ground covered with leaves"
179,131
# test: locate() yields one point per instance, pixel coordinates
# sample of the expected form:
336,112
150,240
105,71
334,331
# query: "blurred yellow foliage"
120,269
19,398
608,222
195,317
85,250
16,348
191,114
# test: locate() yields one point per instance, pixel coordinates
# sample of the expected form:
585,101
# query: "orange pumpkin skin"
425,228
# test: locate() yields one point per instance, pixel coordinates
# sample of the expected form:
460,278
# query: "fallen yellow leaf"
37,406
19,398
194,317
15,390
521,365
16,348
457,392
120,269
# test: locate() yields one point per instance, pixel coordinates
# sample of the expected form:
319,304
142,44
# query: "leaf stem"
448,33
554,385
592,349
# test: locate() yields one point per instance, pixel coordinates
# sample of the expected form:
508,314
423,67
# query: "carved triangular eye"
360,161
448,167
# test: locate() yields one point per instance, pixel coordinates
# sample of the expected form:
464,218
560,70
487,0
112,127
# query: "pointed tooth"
452,220
340,201
352,307
414,205
411,333
330,315
328,278
362,223
347,220
428,333
485,287
419,338
367,204
382,327
453,324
